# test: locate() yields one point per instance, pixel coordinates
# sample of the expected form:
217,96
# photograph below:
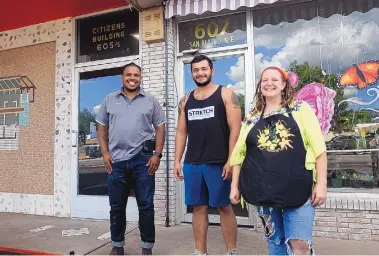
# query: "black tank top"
208,130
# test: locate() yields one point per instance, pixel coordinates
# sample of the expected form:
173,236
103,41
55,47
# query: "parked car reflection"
350,142
355,171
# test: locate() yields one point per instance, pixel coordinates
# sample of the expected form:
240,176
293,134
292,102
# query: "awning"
273,11
185,7
291,11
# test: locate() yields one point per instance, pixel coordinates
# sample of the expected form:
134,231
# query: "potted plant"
346,181
336,180
355,181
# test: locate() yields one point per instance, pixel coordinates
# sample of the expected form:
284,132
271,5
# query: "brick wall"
353,217
154,81
347,224
30,168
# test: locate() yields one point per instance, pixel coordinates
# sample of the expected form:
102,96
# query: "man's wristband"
157,154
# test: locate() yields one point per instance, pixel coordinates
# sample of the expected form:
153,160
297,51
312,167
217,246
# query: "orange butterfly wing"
362,75
350,77
370,72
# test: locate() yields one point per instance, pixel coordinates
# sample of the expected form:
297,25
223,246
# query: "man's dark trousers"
132,173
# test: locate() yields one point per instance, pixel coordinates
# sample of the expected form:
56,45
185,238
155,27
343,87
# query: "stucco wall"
55,198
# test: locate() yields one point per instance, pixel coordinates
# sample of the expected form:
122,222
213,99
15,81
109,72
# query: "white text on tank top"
201,113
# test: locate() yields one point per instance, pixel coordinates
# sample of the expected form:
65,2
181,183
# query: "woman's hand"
234,191
319,191
319,194
234,195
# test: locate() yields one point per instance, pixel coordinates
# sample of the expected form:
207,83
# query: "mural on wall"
333,64
15,95
362,76
319,97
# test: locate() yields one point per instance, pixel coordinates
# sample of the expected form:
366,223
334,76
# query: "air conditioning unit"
142,5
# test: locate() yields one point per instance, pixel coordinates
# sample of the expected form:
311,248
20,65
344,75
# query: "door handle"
74,139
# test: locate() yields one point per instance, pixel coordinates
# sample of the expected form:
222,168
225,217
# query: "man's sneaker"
147,251
232,252
117,251
198,253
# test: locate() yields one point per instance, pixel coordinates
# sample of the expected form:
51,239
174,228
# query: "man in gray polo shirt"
128,120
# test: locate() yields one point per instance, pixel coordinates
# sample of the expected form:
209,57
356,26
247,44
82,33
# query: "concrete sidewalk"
21,231
178,240
93,238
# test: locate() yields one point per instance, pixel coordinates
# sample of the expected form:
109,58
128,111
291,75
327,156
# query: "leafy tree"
242,103
85,118
362,116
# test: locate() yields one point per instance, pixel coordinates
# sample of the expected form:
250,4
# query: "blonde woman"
279,164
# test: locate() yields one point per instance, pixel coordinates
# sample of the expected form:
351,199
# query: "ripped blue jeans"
280,226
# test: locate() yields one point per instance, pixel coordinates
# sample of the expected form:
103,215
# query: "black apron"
273,172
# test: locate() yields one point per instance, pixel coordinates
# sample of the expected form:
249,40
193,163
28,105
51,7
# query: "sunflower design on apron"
275,137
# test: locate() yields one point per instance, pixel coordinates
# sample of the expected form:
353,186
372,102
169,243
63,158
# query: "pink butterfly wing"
321,100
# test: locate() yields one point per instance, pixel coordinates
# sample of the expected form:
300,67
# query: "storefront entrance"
91,183
230,72
100,62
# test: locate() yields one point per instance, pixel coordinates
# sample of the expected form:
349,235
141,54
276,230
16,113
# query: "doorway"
90,179
230,72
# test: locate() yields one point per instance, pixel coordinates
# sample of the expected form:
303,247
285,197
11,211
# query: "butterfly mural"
361,75
319,97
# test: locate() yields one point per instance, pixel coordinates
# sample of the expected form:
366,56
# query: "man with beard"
128,120
211,117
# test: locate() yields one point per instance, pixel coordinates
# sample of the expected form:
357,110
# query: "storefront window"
332,49
229,72
108,36
213,32
93,87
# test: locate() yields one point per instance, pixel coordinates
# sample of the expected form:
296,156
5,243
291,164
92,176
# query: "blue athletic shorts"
204,185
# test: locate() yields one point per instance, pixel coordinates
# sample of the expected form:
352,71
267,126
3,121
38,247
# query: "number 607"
212,29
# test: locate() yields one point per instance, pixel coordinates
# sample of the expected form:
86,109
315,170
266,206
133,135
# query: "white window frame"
5,102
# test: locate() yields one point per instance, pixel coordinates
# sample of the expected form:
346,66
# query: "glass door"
230,72
90,179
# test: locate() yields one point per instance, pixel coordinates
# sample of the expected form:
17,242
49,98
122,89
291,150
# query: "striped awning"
291,11
185,7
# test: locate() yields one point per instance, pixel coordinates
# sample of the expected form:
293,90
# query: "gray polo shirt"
130,122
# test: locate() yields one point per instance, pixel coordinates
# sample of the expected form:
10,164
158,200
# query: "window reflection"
93,87
229,72
334,65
